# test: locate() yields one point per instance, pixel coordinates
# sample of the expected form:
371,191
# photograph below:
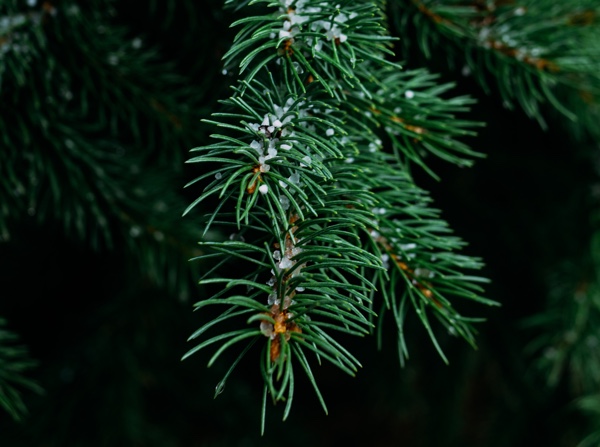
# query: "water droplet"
272,298
285,263
295,178
267,329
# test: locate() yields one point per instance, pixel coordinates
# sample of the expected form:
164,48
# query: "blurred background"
101,101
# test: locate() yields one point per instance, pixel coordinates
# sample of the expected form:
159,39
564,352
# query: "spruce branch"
566,347
14,362
589,405
321,216
81,148
534,52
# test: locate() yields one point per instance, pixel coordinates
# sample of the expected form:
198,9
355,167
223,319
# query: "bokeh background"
100,103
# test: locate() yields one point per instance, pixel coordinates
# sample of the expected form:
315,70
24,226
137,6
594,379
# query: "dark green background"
109,343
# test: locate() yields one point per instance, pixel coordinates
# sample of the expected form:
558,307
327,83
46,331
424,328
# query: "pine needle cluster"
317,225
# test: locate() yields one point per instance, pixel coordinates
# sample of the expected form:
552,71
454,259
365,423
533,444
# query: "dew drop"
272,299
285,263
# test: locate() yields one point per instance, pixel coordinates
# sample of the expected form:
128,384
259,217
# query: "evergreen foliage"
14,361
319,133
326,216
535,52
